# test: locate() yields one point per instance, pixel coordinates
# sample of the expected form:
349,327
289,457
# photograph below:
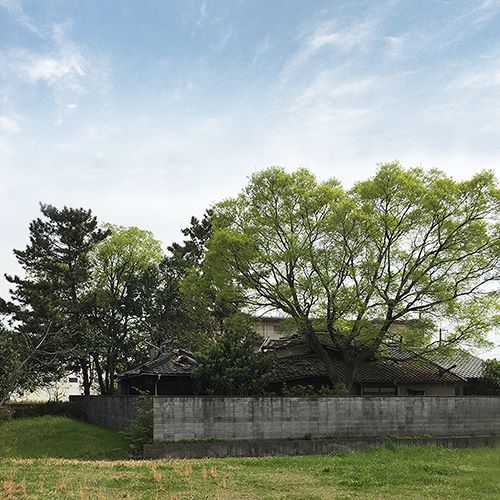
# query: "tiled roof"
399,366
417,371
172,362
462,363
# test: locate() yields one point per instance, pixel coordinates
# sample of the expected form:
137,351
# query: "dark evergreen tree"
229,365
173,312
53,298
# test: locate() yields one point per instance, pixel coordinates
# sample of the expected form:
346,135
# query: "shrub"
333,390
309,390
490,381
57,408
229,366
5,414
298,390
140,430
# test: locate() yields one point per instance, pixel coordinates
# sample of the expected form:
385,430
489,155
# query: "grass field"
54,457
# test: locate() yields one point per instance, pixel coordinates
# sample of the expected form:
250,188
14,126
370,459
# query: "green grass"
390,472
58,437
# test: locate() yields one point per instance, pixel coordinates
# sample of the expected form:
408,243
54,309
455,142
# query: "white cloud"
327,36
484,75
262,48
225,34
17,13
486,11
9,125
40,67
326,87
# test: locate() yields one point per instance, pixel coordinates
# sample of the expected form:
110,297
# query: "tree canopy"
406,244
121,263
51,300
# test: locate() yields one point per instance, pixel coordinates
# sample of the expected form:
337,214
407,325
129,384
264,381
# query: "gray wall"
113,412
192,417
273,447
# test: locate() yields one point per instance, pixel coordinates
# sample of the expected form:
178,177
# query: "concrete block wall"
112,412
194,417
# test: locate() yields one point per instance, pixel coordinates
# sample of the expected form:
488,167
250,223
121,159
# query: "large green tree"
185,307
402,245
121,265
50,300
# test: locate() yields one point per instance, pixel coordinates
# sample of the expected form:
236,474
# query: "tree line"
406,246
93,298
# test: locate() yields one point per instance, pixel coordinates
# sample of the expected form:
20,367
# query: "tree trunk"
321,352
100,380
85,376
352,368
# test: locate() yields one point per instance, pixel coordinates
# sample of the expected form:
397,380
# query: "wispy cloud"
57,68
326,88
326,36
17,13
9,125
46,67
485,11
485,74
225,34
262,48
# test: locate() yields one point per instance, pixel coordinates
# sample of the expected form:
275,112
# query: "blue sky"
149,111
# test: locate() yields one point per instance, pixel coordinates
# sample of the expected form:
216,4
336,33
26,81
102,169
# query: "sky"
150,111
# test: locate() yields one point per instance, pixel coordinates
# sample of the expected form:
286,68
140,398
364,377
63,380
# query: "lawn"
391,472
58,437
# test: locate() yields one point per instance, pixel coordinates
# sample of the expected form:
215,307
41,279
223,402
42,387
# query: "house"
168,372
60,390
398,372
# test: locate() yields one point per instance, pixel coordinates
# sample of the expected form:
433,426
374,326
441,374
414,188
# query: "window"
380,390
416,392
73,380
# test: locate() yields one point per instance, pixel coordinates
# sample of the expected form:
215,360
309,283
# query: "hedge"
29,410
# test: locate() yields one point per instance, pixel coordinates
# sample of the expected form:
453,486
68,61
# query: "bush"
333,390
298,390
140,430
29,410
229,366
490,381
309,390
5,414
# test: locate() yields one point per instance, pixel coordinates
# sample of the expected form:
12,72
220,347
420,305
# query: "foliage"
298,390
228,366
97,299
54,408
26,363
191,252
140,430
5,413
207,303
405,245
49,305
9,355
309,390
120,264
333,390
490,381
